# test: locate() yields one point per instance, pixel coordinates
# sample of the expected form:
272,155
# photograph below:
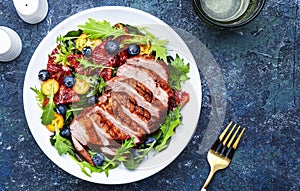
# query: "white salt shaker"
31,11
11,44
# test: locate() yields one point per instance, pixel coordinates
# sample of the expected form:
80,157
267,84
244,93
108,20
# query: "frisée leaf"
159,46
101,29
64,50
178,73
39,96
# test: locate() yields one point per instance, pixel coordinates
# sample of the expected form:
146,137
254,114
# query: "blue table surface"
255,82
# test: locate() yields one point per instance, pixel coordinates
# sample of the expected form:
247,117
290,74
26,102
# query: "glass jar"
228,13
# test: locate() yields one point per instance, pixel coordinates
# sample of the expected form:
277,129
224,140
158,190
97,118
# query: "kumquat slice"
46,86
58,120
81,87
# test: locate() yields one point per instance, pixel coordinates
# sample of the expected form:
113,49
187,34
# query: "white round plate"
190,112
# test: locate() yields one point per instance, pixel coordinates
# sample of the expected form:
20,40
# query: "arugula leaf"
178,73
167,129
101,86
97,29
62,145
85,165
71,111
71,34
39,96
134,161
119,157
48,112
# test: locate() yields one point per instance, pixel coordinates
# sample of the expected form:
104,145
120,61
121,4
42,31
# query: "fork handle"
211,174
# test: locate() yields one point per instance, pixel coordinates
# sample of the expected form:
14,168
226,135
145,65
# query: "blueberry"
92,100
170,59
69,81
98,159
65,132
149,140
61,109
133,49
44,75
87,51
112,47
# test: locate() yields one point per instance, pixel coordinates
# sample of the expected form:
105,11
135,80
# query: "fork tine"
232,138
232,149
219,144
225,131
238,139
227,137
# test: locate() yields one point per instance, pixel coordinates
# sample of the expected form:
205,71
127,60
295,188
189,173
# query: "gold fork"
220,154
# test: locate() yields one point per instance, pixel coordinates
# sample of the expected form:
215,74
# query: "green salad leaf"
119,157
48,110
39,96
178,73
84,166
101,29
74,111
156,45
64,50
168,128
101,85
62,145
108,164
87,64
136,156
159,46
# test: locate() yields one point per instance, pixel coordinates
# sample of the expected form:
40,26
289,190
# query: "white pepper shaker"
11,44
31,11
